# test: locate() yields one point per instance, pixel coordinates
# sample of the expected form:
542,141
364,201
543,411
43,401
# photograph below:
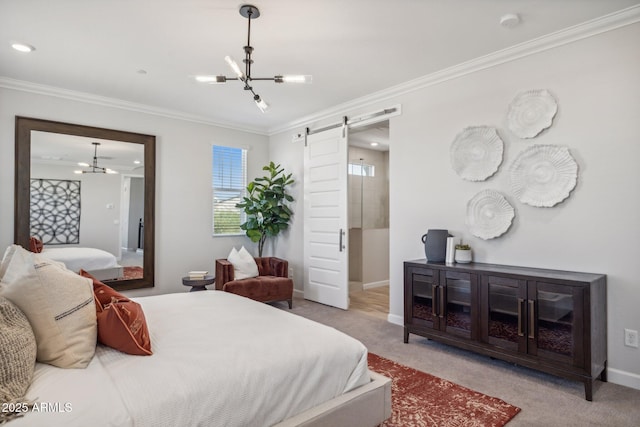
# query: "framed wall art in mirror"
111,211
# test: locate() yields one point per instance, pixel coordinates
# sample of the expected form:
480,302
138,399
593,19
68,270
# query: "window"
360,169
229,186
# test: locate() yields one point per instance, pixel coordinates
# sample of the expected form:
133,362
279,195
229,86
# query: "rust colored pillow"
121,322
35,244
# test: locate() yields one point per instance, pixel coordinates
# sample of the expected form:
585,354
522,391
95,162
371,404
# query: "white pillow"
244,266
58,303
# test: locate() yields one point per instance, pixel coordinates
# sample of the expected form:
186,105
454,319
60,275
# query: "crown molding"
24,86
568,35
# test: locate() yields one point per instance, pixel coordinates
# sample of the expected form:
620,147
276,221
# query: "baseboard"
372,285
395,319
628,379
298,293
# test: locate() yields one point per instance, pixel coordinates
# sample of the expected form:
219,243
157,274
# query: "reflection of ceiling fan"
94,168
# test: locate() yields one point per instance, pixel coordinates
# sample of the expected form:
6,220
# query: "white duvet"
76,258
219,360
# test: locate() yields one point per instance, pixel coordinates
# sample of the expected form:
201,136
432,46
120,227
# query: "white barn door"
326,260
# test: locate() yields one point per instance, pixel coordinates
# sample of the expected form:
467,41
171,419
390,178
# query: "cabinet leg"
406,335
588,389
603,374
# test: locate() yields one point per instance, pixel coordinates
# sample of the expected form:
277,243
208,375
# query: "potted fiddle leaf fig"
265,205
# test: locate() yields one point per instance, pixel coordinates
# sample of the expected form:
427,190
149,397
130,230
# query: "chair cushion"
263,288
244,265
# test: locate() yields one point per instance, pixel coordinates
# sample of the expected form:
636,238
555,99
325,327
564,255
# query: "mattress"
76,258
219,359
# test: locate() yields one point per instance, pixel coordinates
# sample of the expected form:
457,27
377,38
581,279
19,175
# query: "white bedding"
76,258
219,360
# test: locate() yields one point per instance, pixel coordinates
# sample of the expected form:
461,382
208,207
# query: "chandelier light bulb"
295,78
263,106
234,66
211,79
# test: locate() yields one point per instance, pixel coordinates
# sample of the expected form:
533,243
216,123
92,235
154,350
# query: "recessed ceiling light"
136,162
21,47
141,71
374,144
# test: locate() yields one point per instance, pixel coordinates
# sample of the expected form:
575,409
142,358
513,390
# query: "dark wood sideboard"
549,320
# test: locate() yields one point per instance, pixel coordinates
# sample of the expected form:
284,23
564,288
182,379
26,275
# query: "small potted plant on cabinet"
463,253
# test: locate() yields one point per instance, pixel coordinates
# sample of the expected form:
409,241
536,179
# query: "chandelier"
251,12
93,167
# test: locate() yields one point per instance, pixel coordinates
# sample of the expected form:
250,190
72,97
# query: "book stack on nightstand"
197,275
198,280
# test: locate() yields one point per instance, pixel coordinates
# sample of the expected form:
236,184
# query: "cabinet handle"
441,301
520,331
434,300
532,319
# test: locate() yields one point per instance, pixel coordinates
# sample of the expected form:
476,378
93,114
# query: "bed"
101,264
219,360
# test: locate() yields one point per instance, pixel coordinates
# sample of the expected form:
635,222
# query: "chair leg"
290,301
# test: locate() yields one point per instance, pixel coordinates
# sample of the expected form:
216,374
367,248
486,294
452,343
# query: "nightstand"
198,284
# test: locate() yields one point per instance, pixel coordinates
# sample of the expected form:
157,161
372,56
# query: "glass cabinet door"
422,296
553,330
503,312
459,300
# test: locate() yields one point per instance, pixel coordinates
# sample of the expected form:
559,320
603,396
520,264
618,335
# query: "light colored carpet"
545,400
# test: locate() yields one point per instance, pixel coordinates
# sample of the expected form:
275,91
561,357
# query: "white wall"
183,177
596,230
375,256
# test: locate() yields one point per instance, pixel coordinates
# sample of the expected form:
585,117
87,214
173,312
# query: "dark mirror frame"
24,127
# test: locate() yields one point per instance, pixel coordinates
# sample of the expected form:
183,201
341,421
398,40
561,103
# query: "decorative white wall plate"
531,112
476,153
543,175
489,215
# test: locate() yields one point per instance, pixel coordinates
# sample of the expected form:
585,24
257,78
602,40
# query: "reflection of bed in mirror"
100,264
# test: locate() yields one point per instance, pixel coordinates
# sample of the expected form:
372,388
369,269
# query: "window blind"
229,186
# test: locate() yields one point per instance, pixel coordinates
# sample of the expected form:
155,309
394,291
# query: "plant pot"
463,256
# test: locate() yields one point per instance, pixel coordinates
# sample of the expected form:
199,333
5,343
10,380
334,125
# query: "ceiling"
146,52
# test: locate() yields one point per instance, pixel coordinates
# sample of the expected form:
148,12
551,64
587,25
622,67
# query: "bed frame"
113,273
366,406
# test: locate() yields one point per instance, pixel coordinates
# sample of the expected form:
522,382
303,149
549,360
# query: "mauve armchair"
272,283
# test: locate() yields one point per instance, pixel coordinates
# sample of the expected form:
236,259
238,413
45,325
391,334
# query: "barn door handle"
341,247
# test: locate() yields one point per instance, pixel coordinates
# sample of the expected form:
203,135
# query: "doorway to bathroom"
368,211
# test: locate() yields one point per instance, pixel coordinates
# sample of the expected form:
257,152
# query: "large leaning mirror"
88,194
